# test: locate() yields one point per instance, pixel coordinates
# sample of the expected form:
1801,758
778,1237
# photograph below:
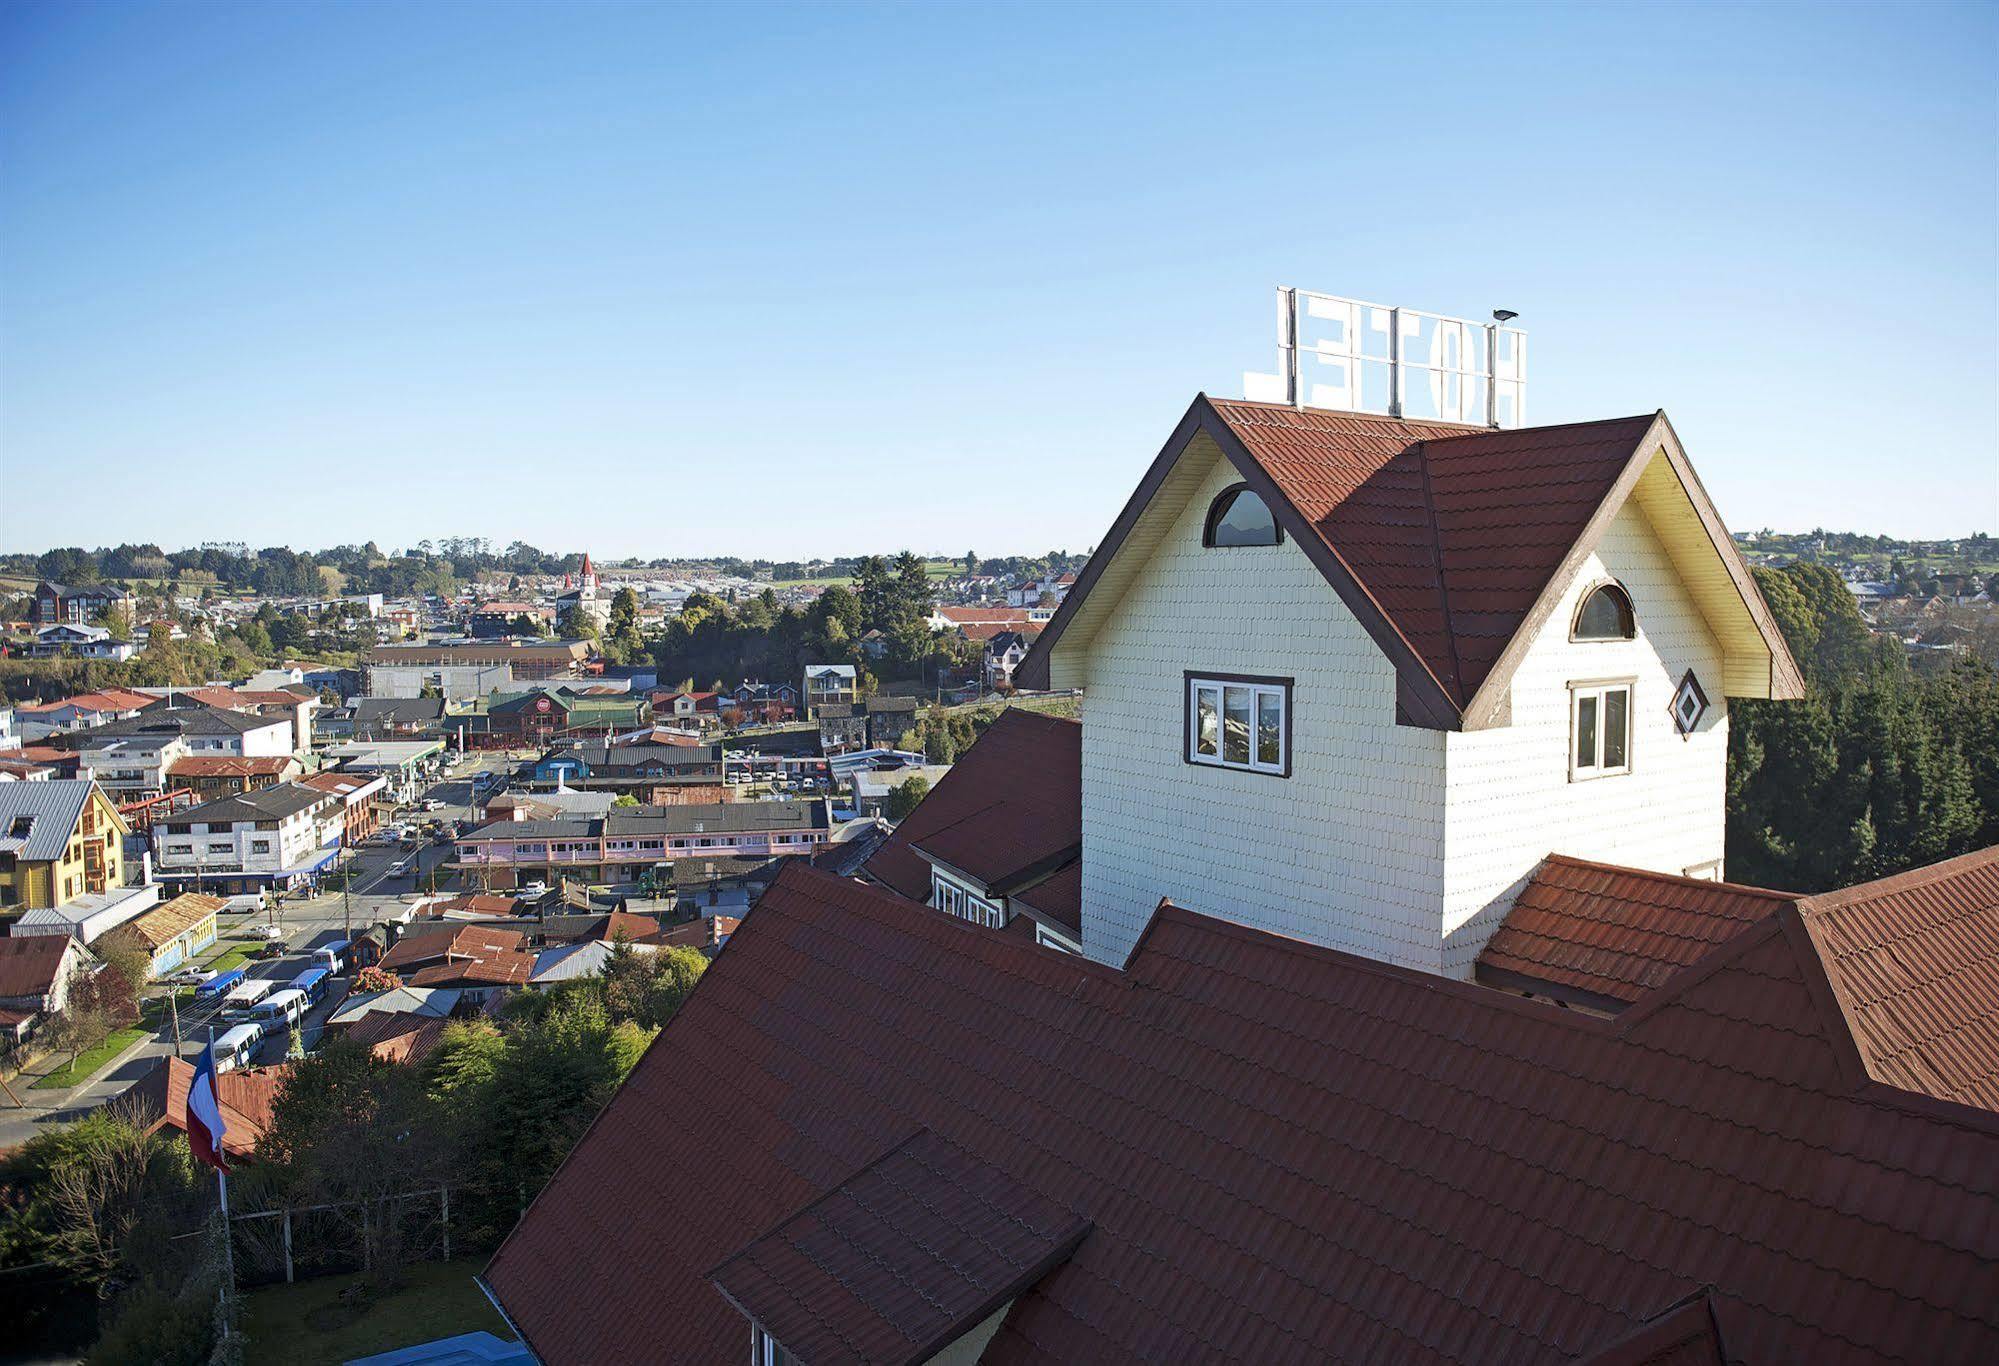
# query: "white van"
280,1010
239,1003
238,1047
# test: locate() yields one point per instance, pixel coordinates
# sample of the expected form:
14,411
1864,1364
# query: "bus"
280,1010
313,983
238,1003
332,957
238,1047
215,988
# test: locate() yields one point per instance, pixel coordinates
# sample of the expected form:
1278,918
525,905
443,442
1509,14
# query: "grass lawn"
91,1059
306,1324
233,957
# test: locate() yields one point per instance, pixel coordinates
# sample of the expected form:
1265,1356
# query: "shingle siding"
1508,799
1395,842
1348,851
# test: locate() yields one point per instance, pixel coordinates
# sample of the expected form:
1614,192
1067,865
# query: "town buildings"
878,722
824,683
629,842
467,670
59,604
36,973
279,838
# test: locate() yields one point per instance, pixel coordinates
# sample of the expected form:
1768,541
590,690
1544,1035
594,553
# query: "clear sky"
660,280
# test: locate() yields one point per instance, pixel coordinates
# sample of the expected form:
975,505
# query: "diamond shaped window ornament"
1689,704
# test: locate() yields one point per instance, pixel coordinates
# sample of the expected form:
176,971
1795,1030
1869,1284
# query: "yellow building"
59,840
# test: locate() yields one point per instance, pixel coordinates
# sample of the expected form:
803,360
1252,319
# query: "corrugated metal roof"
1604,935
1287,1153
42,815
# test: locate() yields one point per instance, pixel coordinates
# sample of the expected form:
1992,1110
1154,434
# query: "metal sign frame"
1461,355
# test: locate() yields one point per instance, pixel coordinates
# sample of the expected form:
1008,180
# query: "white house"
85,642
132,767
1351,678
275,837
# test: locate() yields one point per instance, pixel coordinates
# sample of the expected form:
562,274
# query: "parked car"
531,889
191,977
430,804
270,934
402,867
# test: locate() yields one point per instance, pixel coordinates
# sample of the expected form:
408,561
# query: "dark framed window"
1605,614
1239,517
1240,721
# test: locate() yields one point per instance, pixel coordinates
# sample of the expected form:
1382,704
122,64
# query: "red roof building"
1282,1153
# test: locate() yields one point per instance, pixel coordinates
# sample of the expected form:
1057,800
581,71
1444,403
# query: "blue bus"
312,982
332,957
215,988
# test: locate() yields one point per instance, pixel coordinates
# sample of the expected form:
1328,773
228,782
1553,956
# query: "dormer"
1352,677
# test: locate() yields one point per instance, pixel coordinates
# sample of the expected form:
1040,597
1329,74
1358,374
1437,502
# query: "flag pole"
228,1288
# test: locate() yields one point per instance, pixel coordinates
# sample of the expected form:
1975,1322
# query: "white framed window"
1599,729
1239,721
1709,871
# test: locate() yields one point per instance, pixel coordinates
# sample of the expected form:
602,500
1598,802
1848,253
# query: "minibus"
313,983
280,1010
237,1004
238,1047
215,988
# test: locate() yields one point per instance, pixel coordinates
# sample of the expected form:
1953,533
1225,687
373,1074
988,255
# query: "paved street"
308,922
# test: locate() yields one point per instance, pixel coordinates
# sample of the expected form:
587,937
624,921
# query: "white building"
1351,678
277,837
131,767
85,642
86,918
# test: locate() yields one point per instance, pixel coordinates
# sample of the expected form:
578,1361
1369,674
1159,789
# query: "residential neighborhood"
869,686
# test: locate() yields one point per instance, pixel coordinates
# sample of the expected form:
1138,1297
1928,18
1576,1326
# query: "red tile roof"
1441,539
459,942
506,968
706,933
1453,530
1286,1152
986,630
1058,901
230,765
1011,805
1914,963
1603,936
901,1258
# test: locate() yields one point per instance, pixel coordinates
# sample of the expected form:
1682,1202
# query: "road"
308,923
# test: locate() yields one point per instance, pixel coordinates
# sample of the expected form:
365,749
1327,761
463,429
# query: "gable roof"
1010,808
1286,1152
1602,936
29,963
1913,962
37,819
1450,544
245,1096
168,921
900,1259
230,765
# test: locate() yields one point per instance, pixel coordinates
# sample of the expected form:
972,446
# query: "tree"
905,796
357,1133
373,978
971,565
576,624
646,988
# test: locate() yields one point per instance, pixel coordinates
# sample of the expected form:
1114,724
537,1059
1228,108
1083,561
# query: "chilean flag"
204,1114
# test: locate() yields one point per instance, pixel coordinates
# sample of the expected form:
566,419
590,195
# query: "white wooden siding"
1348,851
1509,800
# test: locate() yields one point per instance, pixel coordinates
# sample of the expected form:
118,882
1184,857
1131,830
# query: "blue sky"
784,282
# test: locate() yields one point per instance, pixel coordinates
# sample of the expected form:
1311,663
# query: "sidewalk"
38,1108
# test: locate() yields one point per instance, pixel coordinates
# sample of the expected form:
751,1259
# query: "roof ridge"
1436,547
1816,902
1678,879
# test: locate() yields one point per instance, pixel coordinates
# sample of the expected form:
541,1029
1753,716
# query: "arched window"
1239,517
1605,615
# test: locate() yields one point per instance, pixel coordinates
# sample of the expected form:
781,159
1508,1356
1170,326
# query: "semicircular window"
1605,615
1239,517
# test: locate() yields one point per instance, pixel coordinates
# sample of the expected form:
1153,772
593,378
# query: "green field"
308,1325
936,569
87,1063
